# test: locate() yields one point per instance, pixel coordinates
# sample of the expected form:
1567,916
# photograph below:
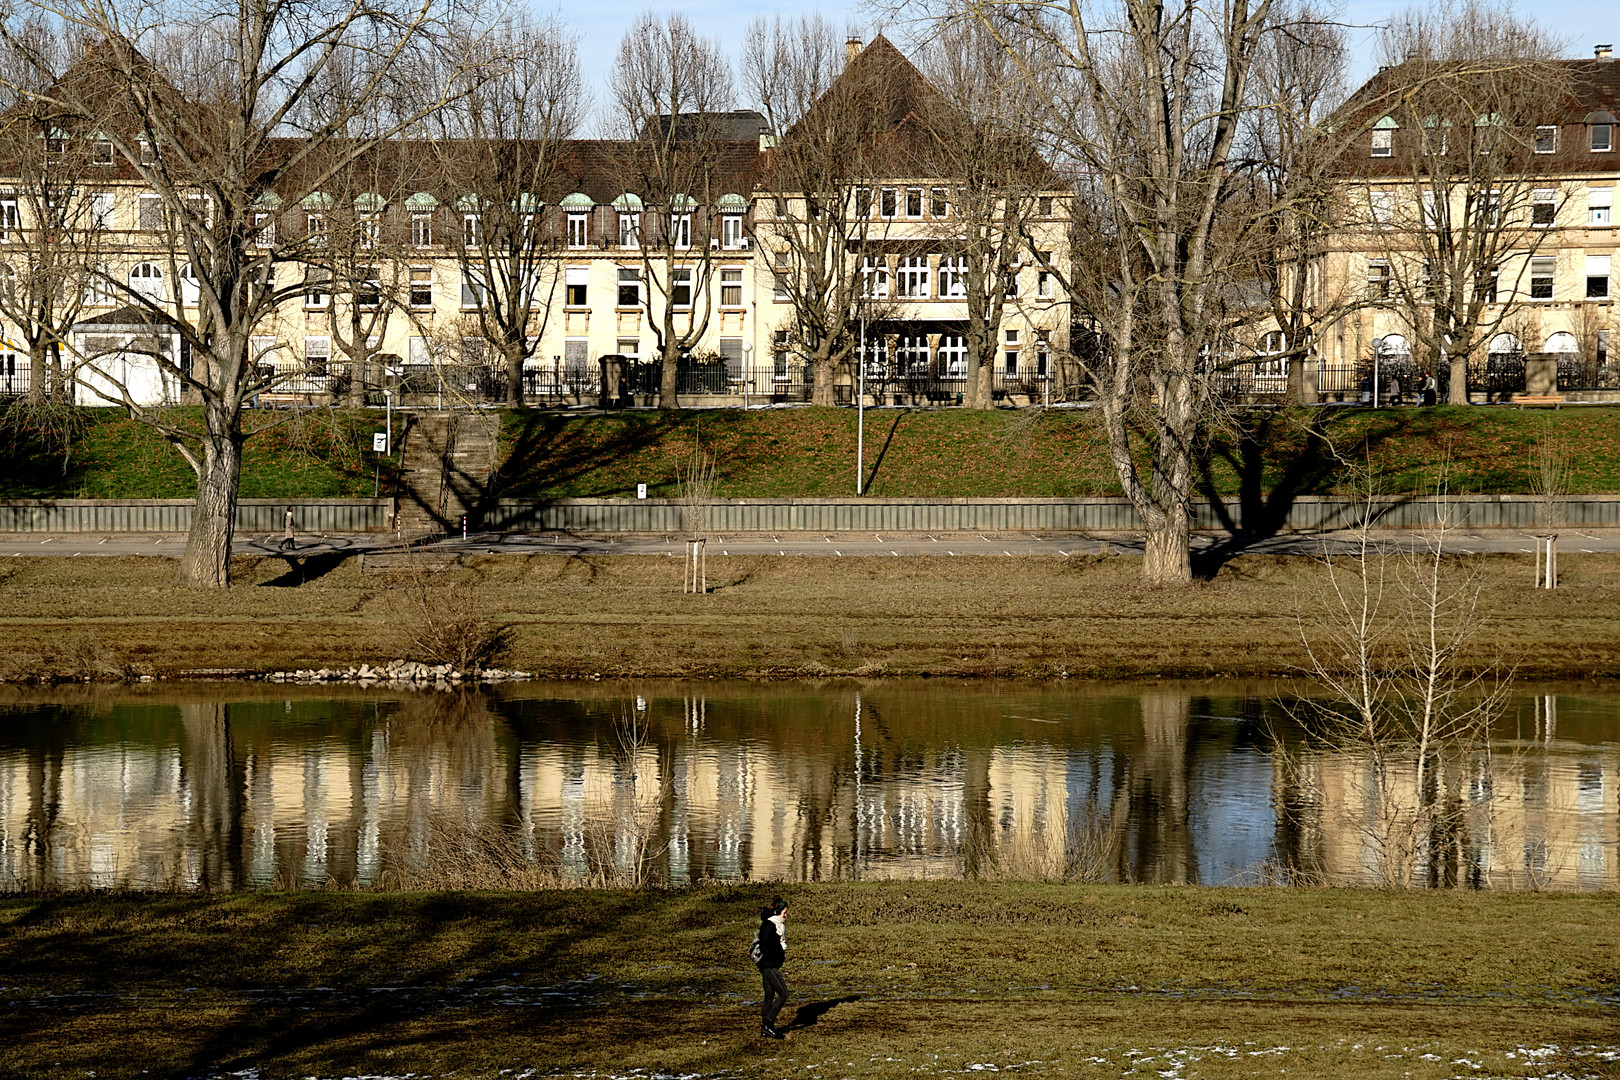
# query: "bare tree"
675,154
1153,104
1451,194
58,210
1001,184
1387,641
830,115
503,167
221,105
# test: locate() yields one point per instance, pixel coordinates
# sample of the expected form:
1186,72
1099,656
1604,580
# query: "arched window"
1394,347
1563,342
189,292
147,279
1504,344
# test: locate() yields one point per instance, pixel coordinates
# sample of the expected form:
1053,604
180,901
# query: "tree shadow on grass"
302,570
888,441
1276,456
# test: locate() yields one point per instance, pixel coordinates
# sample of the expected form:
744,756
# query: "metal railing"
1577,372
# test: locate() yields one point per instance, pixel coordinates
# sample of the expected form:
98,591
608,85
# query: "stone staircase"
448,459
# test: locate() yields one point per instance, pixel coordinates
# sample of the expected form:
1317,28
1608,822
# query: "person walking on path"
769,951
288,540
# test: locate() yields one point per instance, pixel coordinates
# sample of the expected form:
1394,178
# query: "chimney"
852,49
1603,52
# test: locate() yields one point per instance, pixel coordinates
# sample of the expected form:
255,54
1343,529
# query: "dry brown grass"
1038,617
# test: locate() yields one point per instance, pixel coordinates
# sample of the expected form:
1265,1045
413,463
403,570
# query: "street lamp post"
748,371
860,411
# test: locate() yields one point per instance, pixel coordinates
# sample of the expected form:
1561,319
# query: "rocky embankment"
400,673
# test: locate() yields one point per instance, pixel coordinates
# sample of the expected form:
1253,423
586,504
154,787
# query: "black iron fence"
1578,372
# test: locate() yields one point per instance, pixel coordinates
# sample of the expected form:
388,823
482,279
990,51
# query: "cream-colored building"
1521,199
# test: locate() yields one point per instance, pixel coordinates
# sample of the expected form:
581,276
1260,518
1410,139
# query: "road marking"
724,552
781,553
47,540
103,540
1006,552
1466,551
1586,551
1065,554
950,553
837,552
935,539
880,539
1525,550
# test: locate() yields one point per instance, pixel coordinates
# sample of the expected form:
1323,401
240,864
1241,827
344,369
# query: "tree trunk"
1457,391
821,376
1167,558
983,396
37,378
514,379
207,561
668,377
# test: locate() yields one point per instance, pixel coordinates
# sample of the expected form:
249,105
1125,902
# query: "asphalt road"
831,545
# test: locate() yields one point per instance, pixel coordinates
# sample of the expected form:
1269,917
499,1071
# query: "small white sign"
641,491
379,442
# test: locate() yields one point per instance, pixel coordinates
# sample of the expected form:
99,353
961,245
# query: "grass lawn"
1088,615
889,980
811,452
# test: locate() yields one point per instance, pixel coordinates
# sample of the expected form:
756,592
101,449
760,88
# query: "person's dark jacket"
771,952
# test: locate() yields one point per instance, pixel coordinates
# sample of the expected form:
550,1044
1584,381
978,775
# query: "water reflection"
261,787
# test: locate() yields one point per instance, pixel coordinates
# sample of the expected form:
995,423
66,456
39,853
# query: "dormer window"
1383,137
101,152
1600,126
55,144
148,154
1547,139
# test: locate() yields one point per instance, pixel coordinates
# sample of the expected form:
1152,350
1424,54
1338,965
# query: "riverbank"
1085,616
889,979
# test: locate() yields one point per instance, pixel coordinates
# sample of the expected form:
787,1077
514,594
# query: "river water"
252,786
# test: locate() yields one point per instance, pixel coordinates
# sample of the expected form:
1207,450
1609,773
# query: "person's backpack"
754,952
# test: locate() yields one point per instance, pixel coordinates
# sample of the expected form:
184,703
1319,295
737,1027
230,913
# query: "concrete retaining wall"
174,515
1015,515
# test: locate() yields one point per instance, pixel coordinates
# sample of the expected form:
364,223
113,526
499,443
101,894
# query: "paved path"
830,545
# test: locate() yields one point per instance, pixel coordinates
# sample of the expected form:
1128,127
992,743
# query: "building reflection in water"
917,780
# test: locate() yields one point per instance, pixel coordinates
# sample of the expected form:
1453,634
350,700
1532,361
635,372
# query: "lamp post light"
860,410
748,371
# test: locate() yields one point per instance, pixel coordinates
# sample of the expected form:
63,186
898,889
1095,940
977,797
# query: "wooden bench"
1539,401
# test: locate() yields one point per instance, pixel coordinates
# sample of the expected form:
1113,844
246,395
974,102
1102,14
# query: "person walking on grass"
768,952
288,539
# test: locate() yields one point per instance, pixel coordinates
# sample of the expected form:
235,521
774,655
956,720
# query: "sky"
1579,23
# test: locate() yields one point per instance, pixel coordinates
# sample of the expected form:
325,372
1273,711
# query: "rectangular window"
1043,352
1043,206
1600,207
577,283
863,202
731,351
1603,347
422,229
952,277
779,206
780,343
1383,142
731,288
940,201
1043,285
630,348
315,228
421,286
417,351
148,155
1009,284
150,213
875,272
630,231
317,287
782,288
578,230
680,288
1377,279
472,292
264,229
680,230
1541,277
914,202
1490,209
101,210
889,203
1546,139
913,274
1543,206
1485,283
731,232
576,353
98,287
263,355
1597,277
369,293
629,287
317,351
1602,138
8,218
472,230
